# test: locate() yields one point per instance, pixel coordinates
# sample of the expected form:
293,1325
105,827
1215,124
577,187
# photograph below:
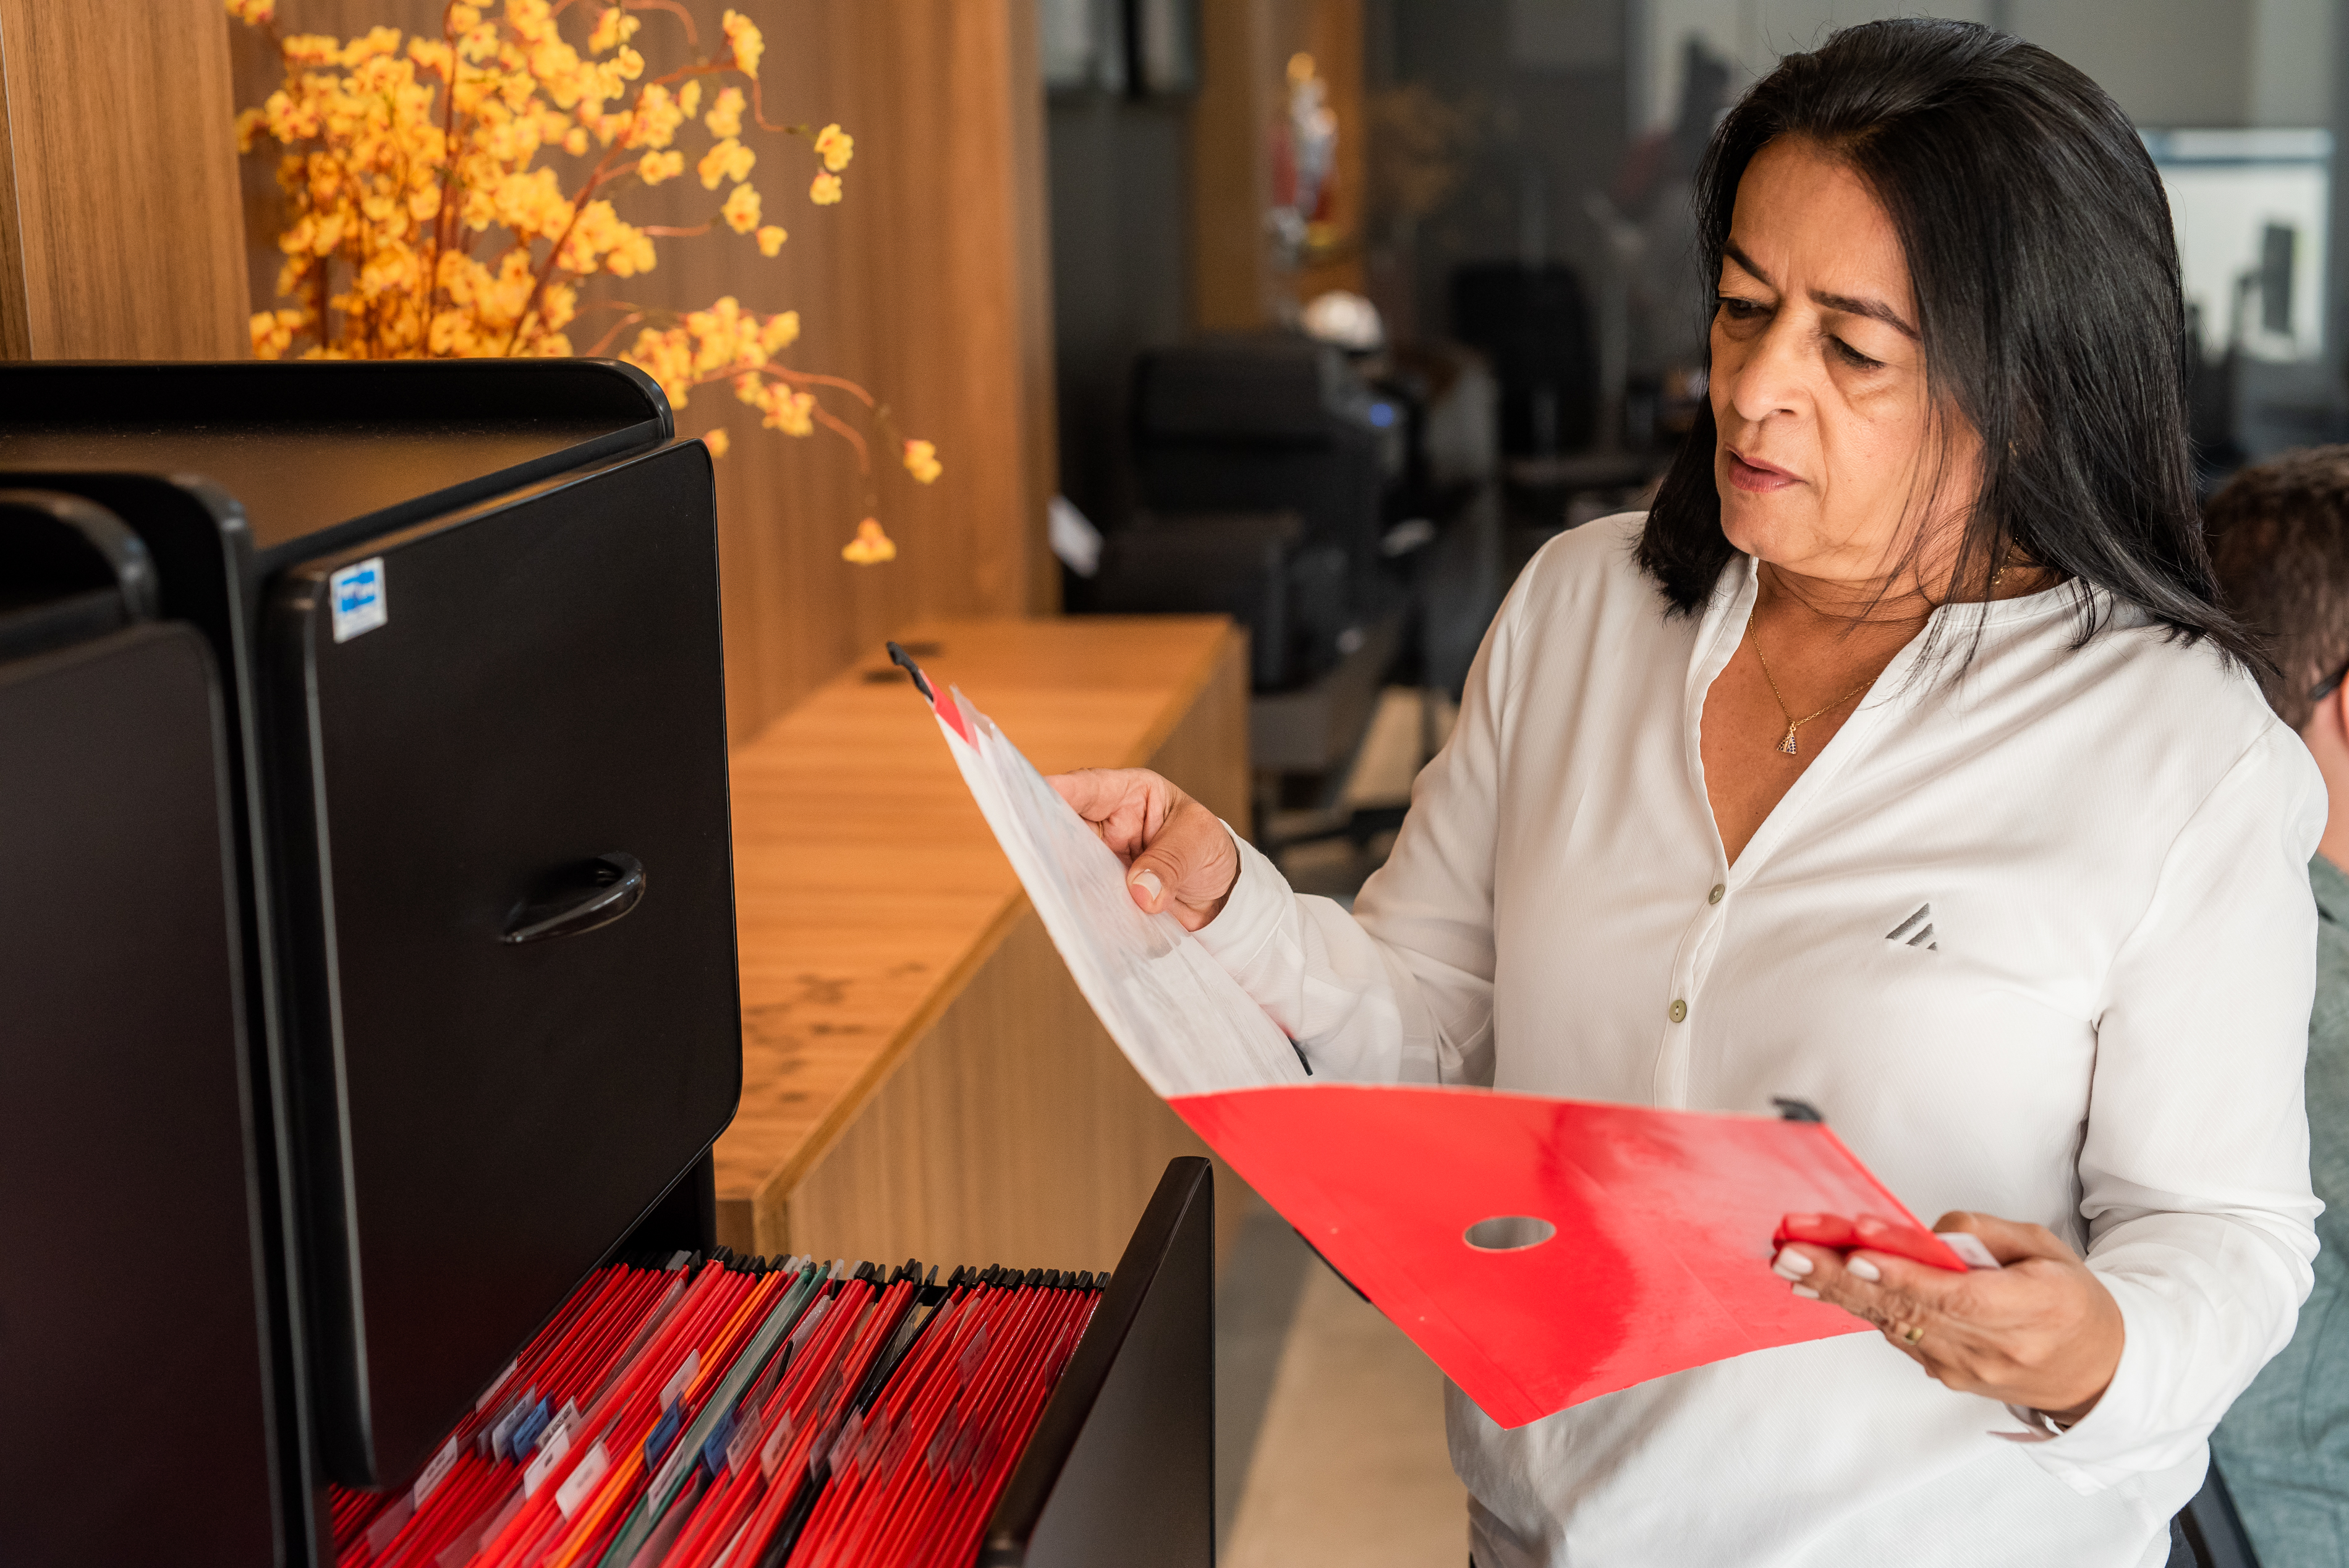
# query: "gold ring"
1912,1333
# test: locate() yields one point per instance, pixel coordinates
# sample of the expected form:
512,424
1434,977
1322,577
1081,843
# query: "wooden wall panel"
118,212
928,284
1232,283
1031,270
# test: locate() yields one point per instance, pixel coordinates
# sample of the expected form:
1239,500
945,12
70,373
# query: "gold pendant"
1787,745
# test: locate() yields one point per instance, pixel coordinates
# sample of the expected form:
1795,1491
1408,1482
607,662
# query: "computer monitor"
2251,210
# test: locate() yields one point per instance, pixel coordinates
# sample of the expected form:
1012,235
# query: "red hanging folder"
1661,1224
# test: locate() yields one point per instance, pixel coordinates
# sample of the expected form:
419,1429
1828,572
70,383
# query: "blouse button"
1718,888
1679,1009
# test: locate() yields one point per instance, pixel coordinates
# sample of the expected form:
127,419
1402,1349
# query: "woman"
1900,760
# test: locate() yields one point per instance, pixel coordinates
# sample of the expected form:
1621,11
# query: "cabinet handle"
617,885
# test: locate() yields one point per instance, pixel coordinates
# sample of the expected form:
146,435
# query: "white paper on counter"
1182,1022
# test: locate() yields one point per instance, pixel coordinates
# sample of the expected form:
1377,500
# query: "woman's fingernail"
1860,1268
1790,1263
1149,884
1805,1292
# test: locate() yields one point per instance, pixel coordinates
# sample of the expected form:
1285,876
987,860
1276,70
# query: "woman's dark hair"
2039,245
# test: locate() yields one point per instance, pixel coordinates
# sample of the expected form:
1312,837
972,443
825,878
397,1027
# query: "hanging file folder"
727,1411
1541,1252
1544,1252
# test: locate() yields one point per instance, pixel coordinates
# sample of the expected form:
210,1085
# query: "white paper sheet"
1185,1025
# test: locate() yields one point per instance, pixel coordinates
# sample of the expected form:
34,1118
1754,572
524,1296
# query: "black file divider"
1123,1466
683,1220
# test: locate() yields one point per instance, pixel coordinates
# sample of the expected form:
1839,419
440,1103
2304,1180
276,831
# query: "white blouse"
2039,943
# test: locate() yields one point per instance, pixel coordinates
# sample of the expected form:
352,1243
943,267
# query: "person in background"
2279,541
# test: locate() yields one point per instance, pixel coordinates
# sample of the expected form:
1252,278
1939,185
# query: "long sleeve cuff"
2136,1427
2108,1444
1251,916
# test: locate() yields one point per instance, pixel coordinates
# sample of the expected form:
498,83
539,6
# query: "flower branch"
421,223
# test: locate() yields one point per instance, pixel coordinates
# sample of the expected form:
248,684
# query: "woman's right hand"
1178,858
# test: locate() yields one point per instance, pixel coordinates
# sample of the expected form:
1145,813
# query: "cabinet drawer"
501,771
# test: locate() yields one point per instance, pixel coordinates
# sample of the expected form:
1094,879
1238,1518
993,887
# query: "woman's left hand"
2041,1331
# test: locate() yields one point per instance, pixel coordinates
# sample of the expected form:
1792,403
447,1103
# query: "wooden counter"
921,1076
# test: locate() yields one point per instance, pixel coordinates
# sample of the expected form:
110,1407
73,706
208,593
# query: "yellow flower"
689,99
558,305
273,331
922,461
477,44
770,239
529,205
871,546
716,441
668,358
465,18
634,255
656,118
741,211
378,41
613,29
312,49
749,43
835,146
825,191
725,116
533,19
654,167
575,142
792,413
253,13
782,330
727,159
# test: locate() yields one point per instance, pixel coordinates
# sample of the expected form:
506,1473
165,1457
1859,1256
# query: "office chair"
2213,1529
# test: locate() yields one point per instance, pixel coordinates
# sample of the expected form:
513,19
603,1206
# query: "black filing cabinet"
461,623
133,1315
367,951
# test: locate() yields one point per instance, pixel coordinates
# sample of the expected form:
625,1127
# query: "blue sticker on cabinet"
357,592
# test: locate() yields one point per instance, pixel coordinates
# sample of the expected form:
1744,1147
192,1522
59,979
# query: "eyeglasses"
2323,689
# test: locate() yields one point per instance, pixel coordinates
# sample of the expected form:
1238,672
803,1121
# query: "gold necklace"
1793,723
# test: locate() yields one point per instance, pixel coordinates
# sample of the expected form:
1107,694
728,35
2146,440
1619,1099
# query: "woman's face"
1819,380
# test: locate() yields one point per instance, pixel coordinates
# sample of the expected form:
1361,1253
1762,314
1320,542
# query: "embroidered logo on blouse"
1917,931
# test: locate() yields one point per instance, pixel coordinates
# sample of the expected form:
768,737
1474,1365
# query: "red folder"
1663,1224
